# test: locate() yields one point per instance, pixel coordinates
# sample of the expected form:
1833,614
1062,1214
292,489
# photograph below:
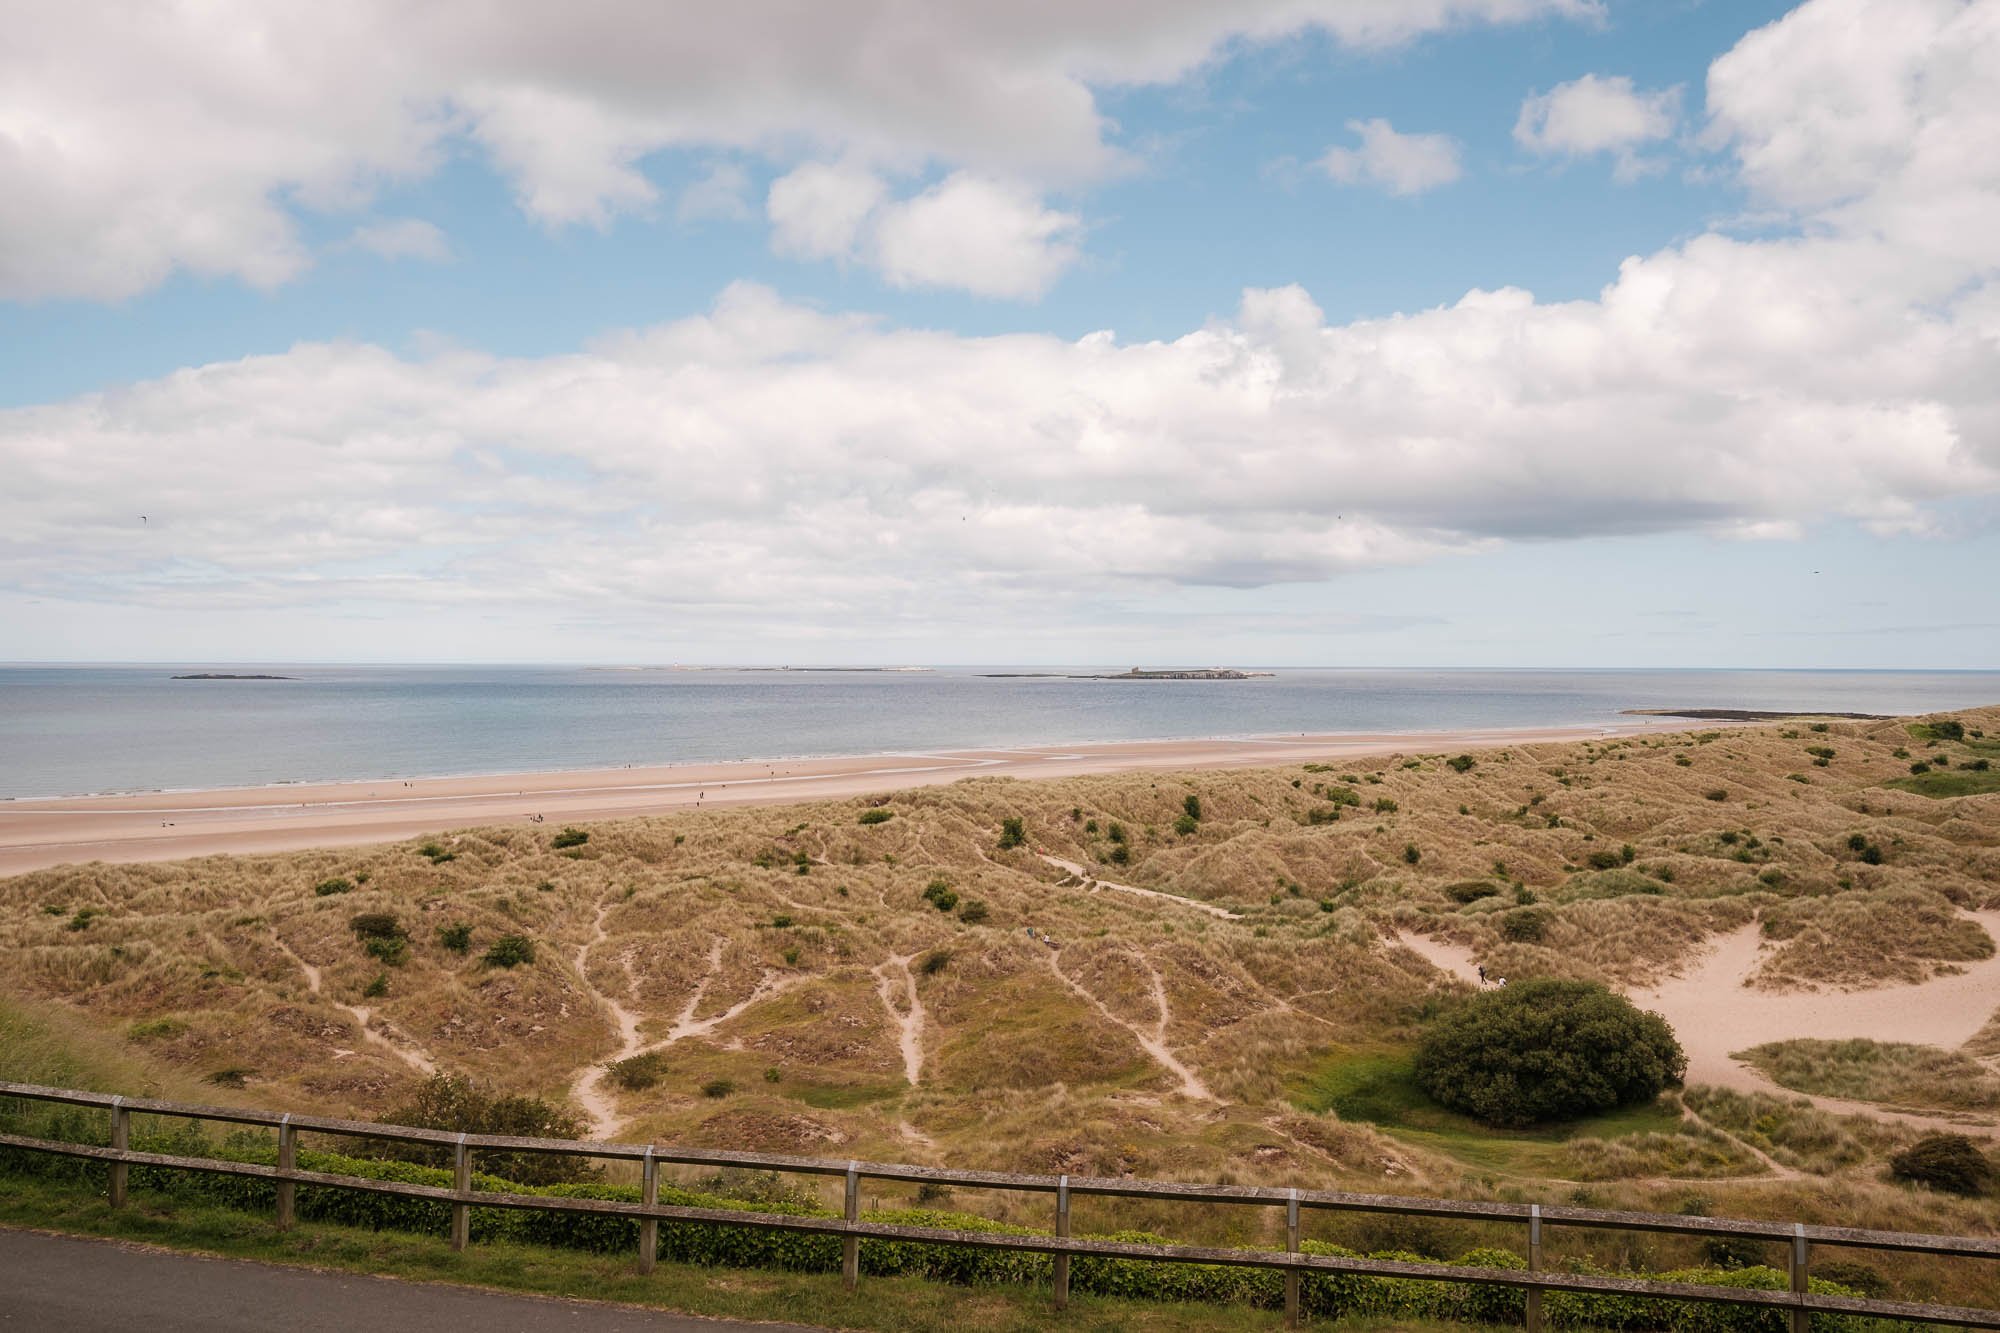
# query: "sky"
1530,333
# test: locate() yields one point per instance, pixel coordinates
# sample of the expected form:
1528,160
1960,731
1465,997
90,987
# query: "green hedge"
1328,1295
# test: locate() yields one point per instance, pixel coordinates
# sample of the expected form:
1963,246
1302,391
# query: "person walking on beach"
1482,974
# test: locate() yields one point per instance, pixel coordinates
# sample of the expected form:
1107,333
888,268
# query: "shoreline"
40,832
1580,730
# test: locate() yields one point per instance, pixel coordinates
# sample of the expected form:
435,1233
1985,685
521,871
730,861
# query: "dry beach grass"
793,978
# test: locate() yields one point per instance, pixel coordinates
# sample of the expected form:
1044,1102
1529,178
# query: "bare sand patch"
1715,1012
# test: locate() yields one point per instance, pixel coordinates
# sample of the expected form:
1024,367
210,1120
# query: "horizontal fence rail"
649,1213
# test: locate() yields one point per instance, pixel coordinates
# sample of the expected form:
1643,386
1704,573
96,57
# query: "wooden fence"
1798,1238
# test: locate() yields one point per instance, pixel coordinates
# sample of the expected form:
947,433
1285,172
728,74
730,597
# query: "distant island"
228,675
1205,673
1744,714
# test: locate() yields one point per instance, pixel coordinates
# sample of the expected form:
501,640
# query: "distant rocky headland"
229,675
1744,714
1205,673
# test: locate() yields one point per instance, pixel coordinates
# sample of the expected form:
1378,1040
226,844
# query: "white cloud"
769,463
402,238
721,193
134,142
818,210
1878,117
1599,115
1402,164
989,237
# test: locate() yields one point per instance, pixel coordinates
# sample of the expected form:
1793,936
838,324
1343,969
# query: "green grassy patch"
843,1096
1951,782
1378,1088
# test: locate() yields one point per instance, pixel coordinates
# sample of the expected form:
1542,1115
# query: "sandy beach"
162,826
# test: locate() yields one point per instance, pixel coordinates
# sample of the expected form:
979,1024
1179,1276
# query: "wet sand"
164,826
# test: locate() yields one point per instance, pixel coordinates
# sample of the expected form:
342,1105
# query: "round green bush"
1948,1162
1545,1050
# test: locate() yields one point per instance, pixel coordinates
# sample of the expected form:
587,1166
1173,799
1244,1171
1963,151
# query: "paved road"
62,1284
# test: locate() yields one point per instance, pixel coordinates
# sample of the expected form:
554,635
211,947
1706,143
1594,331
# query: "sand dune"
1715,1013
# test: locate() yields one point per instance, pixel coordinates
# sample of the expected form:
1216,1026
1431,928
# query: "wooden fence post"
1292,1247
288,1162
461,1181
649,1229
1062,1232
121,1139
850,1246
1801,1319
1533,1318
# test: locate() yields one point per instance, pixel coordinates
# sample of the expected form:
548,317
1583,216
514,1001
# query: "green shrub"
1544,1050
876,816
509,951
717,1088
1716,794
377,988
326,888
391,950
1948,1162
82,919
934,962
1343,796
1411,853
939,894
569,837
1461,763
1186,824
1116,832
376,926
1385,806
1012,833
437,853
1120,855
1603,860
1471,890
456,1104
1191,807
1525,926
636,1073
973,912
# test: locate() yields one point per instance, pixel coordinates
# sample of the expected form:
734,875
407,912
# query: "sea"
73,730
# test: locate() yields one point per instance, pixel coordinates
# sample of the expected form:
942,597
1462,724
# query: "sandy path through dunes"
589,1090
894,981
364,1018
1093,883
1154,1043
1714,1014
164,826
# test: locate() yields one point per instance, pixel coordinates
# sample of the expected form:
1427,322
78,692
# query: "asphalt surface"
63,1284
